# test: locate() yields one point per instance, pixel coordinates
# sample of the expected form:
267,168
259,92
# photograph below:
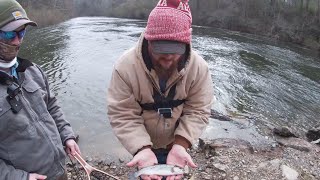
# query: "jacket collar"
23,65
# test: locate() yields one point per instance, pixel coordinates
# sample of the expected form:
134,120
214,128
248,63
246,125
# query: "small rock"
274,145
220,167
289,173
121,160
316,142
236,178
100,162
275,163
262,165
208,170
201,169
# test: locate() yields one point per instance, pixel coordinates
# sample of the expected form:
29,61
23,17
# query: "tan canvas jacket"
132,83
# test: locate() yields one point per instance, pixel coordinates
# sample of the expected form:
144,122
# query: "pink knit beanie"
170,20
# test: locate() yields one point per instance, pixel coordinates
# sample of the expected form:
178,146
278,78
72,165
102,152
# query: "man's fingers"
72,149
145,177
41,177
67,150
190,162
170,178
78,149
132,163
178,177
155,177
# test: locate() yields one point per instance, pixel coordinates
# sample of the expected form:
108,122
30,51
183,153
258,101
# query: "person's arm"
62,124
56,113
196,110
9,172
124,114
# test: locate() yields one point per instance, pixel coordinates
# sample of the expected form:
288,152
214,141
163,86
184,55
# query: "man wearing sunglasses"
161,91
33,129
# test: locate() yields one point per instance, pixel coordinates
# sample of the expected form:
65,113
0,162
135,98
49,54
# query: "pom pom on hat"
170,20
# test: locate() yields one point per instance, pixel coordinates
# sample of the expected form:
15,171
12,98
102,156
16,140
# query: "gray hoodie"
31,140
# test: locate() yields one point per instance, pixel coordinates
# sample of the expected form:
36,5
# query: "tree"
318,11
307,5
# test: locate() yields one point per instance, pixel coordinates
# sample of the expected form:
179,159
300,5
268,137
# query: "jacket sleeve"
124,114
9,172
196,110
56,113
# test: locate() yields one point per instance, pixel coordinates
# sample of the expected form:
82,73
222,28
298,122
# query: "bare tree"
301,5
318,11
245,9
307,5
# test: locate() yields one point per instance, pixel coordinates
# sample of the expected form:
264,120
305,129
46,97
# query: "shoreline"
279,155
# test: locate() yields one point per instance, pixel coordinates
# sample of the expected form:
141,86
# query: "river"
255,79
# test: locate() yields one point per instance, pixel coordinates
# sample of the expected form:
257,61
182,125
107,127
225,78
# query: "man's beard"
8,52
165,71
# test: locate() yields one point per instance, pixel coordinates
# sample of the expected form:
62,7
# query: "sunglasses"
10,35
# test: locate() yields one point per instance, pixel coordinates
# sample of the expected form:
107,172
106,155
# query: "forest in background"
296,21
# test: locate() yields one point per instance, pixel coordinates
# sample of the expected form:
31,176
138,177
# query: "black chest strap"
163,104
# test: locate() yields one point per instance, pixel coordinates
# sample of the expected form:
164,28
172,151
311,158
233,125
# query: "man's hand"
72,147
178,156
143,159
34,176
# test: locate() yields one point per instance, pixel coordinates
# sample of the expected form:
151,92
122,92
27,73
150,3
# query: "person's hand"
143,159
178,156
71,148
34,176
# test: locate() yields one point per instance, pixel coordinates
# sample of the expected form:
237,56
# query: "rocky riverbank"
239,153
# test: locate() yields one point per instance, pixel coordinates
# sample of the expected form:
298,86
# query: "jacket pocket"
35,95
31,86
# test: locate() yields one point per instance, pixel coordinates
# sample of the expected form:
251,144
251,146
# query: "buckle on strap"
165,112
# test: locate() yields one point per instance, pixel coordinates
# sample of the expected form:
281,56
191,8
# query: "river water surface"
276,84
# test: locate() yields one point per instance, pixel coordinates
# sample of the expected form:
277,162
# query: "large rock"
284,132
216,115
295,143
222,143
313,134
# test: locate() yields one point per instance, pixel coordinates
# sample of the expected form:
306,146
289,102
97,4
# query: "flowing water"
255,79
